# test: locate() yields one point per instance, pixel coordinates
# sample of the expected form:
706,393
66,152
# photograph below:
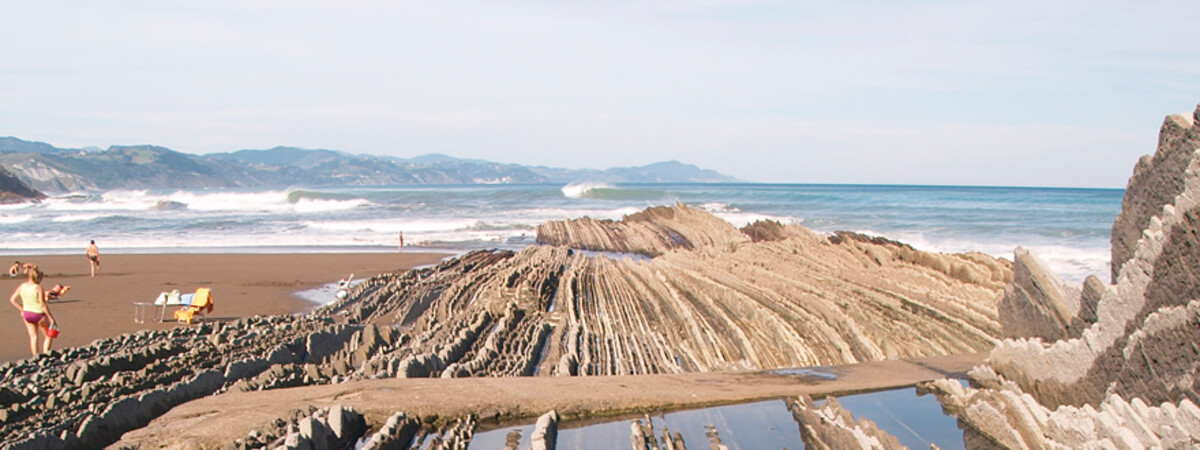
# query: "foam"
219,201
582,189
79,217
14,219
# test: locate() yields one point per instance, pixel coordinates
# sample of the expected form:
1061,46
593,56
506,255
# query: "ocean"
1068,229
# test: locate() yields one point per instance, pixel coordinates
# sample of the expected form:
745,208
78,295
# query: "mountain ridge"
48,168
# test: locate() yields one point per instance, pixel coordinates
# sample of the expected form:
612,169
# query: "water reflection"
917,421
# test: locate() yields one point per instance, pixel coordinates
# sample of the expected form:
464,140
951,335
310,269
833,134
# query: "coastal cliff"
1126,380
12,190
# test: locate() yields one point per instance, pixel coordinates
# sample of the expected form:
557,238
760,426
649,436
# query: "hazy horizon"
1065,94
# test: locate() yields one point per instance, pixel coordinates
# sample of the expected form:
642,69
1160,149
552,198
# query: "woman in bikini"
34,310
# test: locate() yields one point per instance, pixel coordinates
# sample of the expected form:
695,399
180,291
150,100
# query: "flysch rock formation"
1040,304
831,427
711,299
1156,181
1127,380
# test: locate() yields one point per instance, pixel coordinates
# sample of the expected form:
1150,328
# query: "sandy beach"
243,285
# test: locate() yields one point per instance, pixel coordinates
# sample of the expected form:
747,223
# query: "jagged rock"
397,432
651,232
832,427
1038,303
1163,273
1093,390
545,432
1156,181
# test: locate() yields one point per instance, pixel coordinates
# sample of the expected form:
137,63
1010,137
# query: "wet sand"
243,285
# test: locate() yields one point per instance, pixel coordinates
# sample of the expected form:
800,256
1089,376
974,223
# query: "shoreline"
243,285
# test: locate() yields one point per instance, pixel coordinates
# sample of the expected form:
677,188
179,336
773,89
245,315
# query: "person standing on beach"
34,311
401,247
93,256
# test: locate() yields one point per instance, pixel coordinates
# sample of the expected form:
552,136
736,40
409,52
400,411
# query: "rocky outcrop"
829,427
1004,416
12,190
1128,379
1156,181
652,232
337,427
795,302
1040,304
711,300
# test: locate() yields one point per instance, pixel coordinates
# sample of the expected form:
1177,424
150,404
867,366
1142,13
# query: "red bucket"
52,331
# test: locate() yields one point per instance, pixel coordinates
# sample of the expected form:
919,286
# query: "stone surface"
1127,380
1156,181
831,427
12,190
1038,303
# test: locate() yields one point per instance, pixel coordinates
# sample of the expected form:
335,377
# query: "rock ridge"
1119,371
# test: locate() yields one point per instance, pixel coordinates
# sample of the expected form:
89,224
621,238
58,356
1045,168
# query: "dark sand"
243,285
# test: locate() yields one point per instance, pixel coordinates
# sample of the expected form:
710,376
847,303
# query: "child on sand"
34,311
19,267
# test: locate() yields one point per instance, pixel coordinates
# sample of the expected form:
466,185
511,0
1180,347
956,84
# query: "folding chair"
200,303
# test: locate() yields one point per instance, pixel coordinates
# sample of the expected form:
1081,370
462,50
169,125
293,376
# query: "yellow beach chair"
201,304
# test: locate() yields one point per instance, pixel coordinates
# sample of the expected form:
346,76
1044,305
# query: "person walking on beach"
401,247
93,255
34,311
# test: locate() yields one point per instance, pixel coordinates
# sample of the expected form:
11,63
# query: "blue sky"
981,93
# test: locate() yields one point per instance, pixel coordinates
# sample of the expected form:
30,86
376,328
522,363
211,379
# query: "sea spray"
1067,228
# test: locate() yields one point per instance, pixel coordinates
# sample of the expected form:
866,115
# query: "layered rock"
1128,379
711,300
651,232
1040,304
1156,181
830,427
12,190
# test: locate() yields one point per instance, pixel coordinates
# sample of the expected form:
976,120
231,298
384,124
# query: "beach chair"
161,303
201,303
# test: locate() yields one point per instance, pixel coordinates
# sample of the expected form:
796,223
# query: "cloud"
938,89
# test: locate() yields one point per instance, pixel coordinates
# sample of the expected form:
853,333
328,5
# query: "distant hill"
12,190
51,169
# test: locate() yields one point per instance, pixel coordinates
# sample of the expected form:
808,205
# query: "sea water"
1069,229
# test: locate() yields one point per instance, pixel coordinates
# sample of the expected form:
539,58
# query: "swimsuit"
32,310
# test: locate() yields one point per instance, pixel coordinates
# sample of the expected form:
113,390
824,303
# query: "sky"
1016,93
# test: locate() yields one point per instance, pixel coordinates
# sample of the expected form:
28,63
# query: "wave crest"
585,189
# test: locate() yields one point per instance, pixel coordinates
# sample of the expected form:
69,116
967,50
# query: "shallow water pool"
917,421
